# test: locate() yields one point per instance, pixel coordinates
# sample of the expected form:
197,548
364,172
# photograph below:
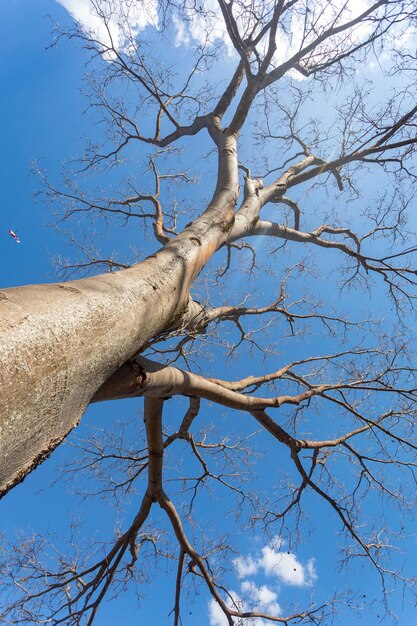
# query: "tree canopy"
251,178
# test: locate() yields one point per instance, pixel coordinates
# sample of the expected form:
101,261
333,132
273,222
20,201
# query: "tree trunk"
59,343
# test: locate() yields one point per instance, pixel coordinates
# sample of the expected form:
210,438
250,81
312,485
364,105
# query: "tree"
120,334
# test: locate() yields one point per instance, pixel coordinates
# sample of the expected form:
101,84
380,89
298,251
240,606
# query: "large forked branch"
143,377
248,222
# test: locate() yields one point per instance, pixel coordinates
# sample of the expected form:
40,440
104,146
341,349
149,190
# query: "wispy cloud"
200,29
124,19
208,27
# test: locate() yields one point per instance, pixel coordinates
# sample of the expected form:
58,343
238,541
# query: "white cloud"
253,598
125,19
200,29
322,14
261,598
198,24
273,560
311,570
182,36
245,566
216,615
286,567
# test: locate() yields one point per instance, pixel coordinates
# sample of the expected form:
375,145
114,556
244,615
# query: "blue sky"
42,110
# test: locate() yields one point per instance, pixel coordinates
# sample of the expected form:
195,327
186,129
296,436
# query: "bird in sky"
14,236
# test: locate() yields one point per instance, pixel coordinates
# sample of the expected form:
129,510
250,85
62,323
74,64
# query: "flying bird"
14,236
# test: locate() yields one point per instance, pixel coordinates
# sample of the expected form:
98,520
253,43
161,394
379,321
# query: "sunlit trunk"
59,343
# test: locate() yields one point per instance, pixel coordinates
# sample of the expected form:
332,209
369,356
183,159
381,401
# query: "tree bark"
59,343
